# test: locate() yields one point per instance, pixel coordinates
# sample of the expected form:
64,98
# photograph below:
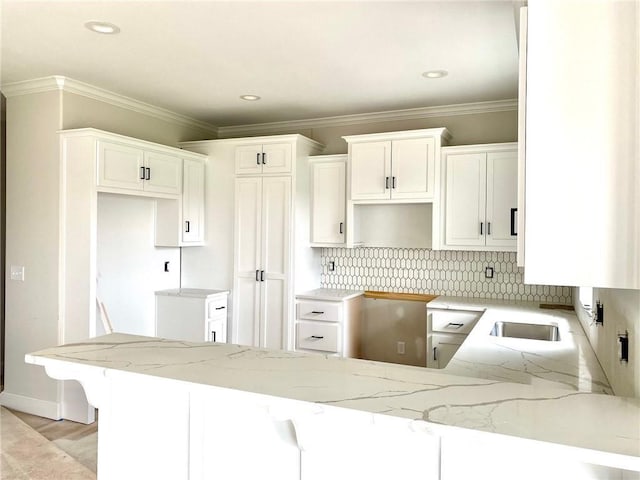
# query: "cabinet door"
443,348
465,199
276,158
120,166
328,202
370,170
276,232
502,197
193,202
249,160
247,261
164,174
412,168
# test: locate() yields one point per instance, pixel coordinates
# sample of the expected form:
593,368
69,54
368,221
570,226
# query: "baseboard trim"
33,406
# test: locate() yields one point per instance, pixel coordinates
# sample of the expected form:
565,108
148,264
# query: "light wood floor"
77,440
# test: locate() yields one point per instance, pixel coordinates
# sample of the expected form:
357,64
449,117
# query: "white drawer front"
453,321
324,311
217,308
318,336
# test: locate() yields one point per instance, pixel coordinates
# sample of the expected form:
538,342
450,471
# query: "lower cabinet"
192,314
329,326
447,329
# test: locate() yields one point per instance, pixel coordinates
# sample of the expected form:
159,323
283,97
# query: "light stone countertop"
329,294
568,363
607,426
191,292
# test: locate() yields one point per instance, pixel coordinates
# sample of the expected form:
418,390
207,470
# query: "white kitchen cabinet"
264,159
181,222
131,167
329,326
447,329
328,199
479,202
191,314
582,221
395,166
262,243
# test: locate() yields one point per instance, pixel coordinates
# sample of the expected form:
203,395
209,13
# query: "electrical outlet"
401,348
17,273
488,272
332,266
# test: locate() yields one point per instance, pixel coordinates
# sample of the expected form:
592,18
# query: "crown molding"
60,83
356,119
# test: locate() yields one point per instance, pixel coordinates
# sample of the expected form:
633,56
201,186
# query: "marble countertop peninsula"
605,425
568,363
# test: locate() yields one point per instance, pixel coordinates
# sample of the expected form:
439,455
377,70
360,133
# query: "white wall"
130,267
32,241
621,313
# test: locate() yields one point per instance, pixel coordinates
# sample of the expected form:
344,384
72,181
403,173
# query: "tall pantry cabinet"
259,221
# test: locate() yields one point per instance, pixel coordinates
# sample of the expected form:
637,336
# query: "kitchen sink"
531,331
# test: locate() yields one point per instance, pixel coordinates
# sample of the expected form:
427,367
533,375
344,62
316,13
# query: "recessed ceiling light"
435,74
103,27
250,98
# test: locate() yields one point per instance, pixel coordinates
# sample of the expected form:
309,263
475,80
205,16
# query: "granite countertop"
568,363
606,425
329,294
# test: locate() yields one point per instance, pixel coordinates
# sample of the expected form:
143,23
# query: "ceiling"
306,59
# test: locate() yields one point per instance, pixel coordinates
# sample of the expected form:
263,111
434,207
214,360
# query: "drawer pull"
317,312
316,337
220,308
455,325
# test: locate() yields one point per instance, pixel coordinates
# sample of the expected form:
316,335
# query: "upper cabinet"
133,168
264,159
328,199
479,201
181,223
582,223
395,166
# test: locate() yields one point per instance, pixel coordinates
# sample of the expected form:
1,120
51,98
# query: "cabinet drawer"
217,308
216,331
324,311
452,321
318,336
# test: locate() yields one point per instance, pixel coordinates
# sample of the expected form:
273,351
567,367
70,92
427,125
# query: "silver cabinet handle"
148,177
141,173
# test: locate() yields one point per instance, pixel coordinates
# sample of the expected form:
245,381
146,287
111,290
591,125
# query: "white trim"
57,82
33,406
293,137
360,118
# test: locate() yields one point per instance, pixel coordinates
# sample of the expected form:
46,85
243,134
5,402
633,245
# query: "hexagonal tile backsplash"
438,272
